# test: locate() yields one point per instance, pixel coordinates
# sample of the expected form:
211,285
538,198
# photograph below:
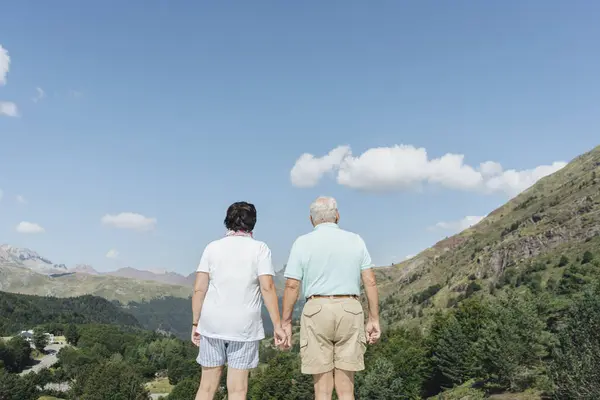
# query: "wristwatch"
195,324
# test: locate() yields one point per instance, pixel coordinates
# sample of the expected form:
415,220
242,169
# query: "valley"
509,308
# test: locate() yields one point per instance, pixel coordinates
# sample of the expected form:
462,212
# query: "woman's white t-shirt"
232,306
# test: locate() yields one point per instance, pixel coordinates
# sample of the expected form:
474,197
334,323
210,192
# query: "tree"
40,339
381,382
454,355
574,365
16,354
111,380
184,390
180,369
14,387
72,334
587,257
513,341
564,260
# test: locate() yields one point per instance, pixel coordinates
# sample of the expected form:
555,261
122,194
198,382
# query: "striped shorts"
218,352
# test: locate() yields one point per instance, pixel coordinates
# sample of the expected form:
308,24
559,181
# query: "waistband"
333,297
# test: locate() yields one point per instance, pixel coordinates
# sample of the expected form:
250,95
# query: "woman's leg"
241,358
209,383
211,356
237,384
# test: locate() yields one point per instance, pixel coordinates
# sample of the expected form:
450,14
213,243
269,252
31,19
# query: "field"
159,386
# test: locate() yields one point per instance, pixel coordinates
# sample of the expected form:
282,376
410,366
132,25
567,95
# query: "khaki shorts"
332,335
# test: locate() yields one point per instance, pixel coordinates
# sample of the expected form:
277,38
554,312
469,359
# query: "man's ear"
337,217
311,220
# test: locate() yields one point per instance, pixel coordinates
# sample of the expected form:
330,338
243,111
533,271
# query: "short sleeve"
265,265
204,265
366,261
293,268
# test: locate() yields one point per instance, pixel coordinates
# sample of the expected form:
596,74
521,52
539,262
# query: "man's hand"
195,336
373,331
287,329
279,336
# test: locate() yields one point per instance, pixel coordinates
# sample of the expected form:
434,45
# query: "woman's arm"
267,288
200,289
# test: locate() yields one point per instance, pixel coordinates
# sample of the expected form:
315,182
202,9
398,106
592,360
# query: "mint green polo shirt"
328,261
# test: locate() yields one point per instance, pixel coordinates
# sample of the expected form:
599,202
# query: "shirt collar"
327,225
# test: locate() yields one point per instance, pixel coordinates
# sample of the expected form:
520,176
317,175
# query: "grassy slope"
558,215
21,280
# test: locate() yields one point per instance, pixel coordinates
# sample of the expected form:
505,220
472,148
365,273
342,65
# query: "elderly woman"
233,273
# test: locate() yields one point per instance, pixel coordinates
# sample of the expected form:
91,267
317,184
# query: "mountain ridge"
559,213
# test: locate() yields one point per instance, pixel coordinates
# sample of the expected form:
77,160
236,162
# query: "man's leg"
209,383
350,345
324,386
317,327
237,384
344,384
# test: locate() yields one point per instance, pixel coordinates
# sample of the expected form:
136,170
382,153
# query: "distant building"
28,335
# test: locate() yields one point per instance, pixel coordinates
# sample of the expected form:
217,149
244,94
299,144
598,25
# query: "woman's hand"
279,336
195,336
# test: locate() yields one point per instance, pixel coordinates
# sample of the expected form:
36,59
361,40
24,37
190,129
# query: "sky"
127,128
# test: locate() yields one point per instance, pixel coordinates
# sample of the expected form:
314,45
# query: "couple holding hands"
235,276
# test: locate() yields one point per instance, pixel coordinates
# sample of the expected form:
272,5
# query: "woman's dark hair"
241,216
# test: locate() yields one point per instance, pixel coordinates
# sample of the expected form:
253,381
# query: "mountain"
21,312
84,269
17,279
172,278
558,216
30,259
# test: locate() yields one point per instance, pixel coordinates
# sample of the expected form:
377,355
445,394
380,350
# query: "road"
49,359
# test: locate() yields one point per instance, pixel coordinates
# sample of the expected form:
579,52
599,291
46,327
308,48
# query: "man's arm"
370,283
294,273
290,296
373,328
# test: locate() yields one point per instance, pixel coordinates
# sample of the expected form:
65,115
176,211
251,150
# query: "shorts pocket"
353,307
311,309
303,348
362,340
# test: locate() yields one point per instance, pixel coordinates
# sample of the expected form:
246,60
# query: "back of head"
324,209
241,216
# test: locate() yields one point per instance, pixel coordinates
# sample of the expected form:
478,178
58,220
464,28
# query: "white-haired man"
330,262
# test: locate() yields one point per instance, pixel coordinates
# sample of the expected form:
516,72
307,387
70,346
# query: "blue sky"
173,111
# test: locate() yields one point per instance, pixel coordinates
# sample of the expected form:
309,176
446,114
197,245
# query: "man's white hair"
323,209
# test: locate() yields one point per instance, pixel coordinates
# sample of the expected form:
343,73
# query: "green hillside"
559,215
21,312
16,279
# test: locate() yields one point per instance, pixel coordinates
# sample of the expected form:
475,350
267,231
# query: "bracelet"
195,324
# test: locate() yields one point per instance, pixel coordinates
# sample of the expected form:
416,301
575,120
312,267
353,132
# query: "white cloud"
309,169
21,200
4,65
513,182
9,109
458,226
112,253
404,167
128,220
75,94
39,94
29,227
